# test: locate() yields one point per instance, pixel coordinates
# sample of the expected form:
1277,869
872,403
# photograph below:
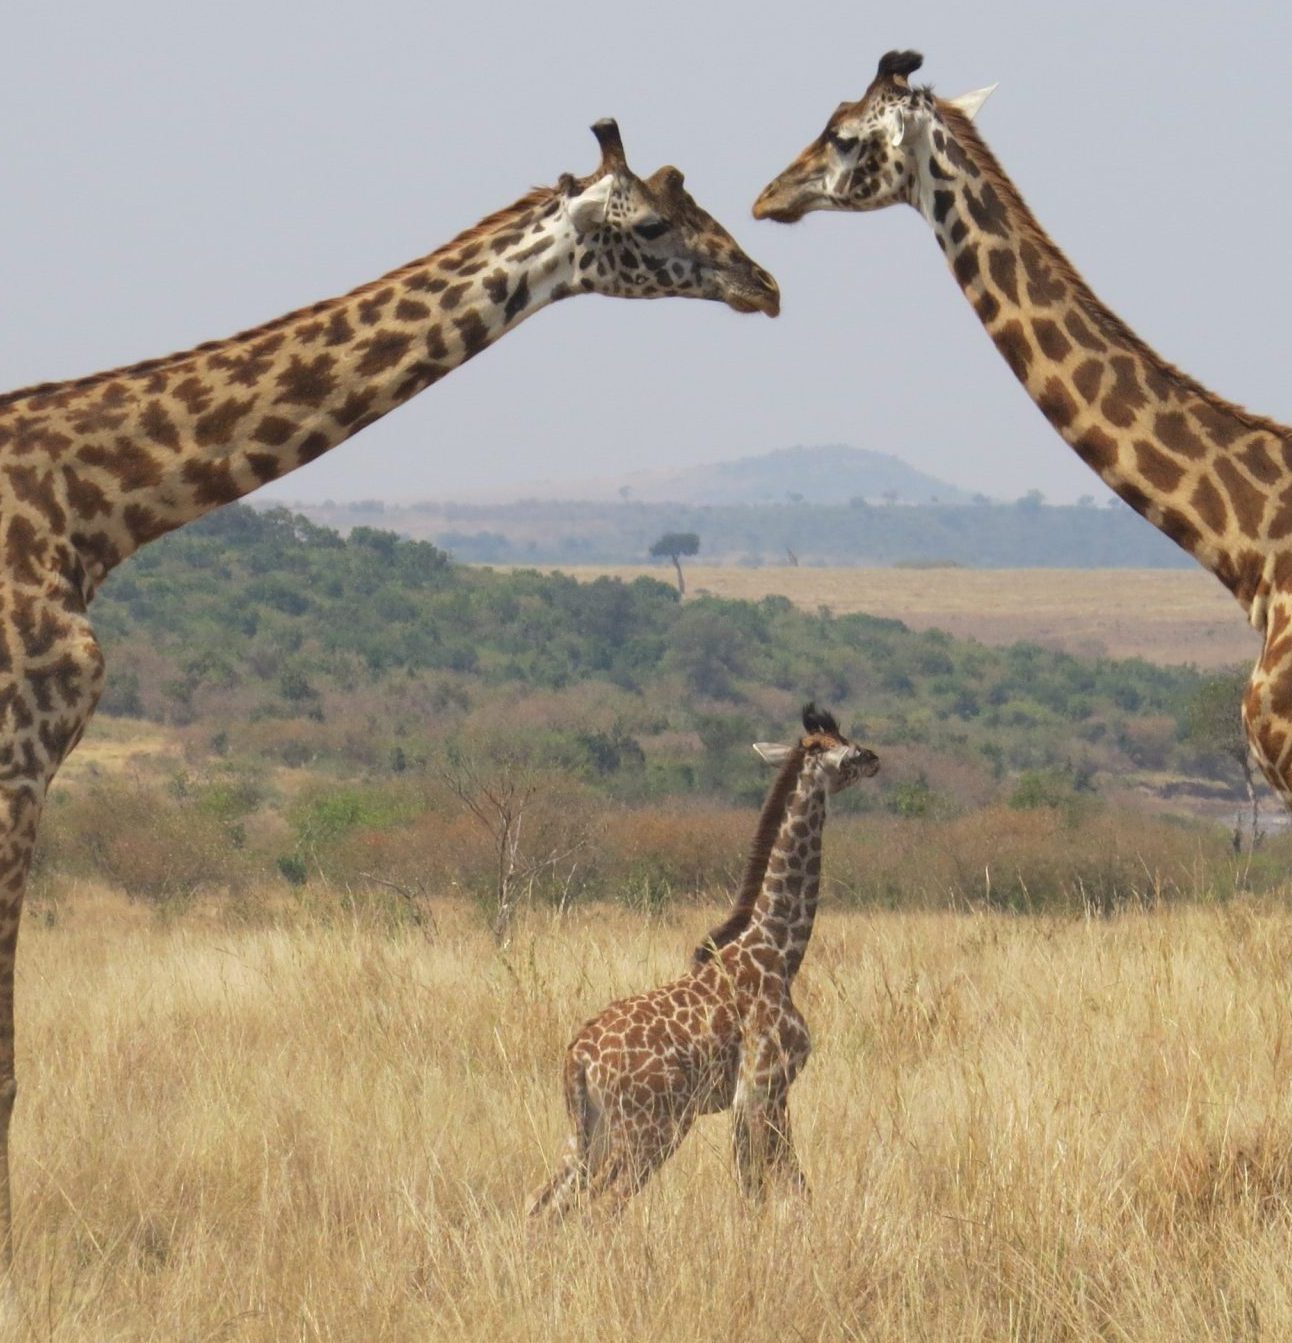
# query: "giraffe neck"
785,908
111,461
1205,472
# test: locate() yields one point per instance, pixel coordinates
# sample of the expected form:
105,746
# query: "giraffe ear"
772,753
588,209
969,103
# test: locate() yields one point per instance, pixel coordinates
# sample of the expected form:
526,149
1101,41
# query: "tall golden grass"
294,1125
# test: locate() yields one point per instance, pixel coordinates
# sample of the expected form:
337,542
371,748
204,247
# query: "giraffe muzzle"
781,203
758,293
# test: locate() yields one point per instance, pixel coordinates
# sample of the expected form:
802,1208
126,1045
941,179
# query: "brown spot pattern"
1157,467
1054,344
1088,378
1013,344
1003,267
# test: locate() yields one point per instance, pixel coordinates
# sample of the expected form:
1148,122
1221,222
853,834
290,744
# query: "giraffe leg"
782,1160
1267,706
761,1140
763,1149
585,1149
569,1180
53,673
19,813
640,1150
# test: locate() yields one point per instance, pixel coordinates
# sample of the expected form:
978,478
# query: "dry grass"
276,1127
1163,615
113,746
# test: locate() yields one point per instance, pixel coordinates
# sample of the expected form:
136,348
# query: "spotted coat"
94,468
1211,475
725,1035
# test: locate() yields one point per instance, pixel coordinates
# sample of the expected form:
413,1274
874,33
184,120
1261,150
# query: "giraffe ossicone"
726,1035
93,468
1211,475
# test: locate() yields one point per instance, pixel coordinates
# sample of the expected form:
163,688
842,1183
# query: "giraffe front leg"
761,1139
771,1058
48,690
1267,705
20,809
762,1142
782,1160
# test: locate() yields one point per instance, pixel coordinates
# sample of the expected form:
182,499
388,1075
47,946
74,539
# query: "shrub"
144,839
292,868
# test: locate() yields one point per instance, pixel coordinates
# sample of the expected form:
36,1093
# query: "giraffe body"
1211,475
94,468
725,1035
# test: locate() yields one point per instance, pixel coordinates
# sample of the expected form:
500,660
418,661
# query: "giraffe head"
647,238
824,749
872,153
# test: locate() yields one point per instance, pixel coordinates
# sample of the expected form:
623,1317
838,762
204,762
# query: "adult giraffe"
1211,475
92,469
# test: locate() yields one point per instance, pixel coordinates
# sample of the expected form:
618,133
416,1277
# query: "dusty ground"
1164,615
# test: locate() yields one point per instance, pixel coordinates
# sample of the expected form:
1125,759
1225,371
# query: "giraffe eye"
843,143
651,229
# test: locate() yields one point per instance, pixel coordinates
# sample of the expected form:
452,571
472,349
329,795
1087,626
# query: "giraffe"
94,468
727,1033
1211,475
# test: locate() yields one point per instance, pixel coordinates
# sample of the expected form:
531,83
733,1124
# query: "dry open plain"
280,1117
265,1124
1163,615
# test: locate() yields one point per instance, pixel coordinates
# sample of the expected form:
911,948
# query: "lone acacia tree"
675,545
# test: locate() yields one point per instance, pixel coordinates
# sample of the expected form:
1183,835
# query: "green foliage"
292,869
1213,717
325,814
232,796
673,544
1063,789
311,649
708,649
912,797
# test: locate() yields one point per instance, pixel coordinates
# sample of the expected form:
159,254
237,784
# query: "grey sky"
174,173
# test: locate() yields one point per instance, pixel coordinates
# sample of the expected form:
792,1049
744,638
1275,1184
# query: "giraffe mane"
769,823
535,197
1100,316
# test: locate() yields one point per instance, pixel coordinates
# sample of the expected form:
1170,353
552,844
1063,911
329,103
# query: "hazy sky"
177,172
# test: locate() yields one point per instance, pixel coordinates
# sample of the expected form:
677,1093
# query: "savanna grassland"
270,1119
361,836
1163,615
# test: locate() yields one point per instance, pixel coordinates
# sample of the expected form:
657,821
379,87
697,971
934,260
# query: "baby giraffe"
727,1033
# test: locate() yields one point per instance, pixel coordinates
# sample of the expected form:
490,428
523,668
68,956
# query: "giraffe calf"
725,1035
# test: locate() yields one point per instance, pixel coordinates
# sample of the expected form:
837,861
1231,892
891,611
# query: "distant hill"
824,505
831,474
